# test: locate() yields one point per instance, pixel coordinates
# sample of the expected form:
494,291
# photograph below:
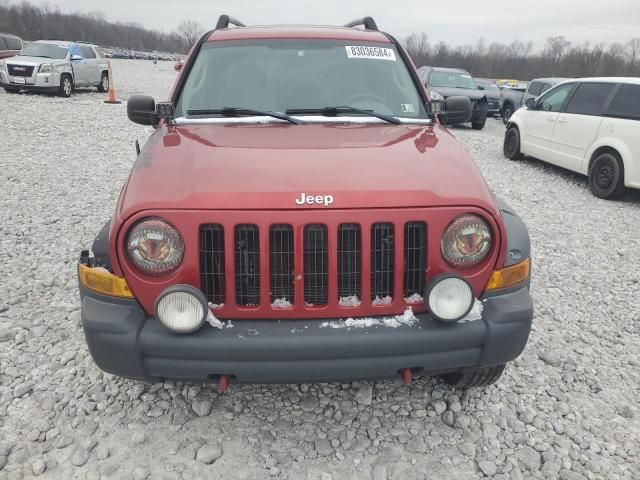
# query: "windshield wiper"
237,112
336,111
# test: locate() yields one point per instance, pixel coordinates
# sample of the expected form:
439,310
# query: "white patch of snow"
281,303
407,318
229,324
213,321
351,301
216,306
383,301
413,299
475,314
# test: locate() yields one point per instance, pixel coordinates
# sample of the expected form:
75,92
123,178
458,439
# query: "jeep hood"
269,166
446,92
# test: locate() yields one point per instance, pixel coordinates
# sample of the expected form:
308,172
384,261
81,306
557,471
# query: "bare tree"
632,52
555,47
190,31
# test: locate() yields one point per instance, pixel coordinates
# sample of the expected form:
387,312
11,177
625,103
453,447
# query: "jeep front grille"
309,266
247,265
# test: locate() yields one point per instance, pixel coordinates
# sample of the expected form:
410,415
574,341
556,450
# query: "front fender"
518,241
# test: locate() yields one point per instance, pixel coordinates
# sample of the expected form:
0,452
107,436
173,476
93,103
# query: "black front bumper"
124,341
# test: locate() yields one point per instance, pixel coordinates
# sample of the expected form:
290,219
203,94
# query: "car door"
79,67
538,123
91,62
578,124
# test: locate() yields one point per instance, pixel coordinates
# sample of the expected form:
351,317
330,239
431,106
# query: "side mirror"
142,109
530,103
76,58
457,110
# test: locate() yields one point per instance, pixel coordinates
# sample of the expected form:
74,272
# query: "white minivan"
589,125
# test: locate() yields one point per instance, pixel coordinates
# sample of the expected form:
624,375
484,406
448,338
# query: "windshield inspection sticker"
375,53
408,108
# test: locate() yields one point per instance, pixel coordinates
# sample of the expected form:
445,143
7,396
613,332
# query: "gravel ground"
567,408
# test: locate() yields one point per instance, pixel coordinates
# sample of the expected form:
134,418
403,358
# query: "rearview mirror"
530,103
142,109
457,110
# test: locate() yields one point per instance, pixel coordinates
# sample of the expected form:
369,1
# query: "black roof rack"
368,22
225,20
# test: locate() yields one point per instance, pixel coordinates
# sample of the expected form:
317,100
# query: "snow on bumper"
124,341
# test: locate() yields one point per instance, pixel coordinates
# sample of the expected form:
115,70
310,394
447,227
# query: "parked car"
492,92
514,98
589,126
55,67
222,224
448,82
10,45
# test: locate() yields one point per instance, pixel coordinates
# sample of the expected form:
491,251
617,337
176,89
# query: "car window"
626,103
545,88
281,75
13,43
87,52
3,44
590,98
535,88
76,50
553,100
452,80
100,51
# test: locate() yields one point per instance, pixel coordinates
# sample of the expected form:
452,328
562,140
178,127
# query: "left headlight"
466,241
182,308
155,247
45,68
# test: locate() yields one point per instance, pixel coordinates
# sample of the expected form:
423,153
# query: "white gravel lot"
568,408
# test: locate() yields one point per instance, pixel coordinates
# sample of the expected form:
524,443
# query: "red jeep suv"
301,215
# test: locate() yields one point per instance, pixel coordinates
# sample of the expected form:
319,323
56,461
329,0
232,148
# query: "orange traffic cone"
112,89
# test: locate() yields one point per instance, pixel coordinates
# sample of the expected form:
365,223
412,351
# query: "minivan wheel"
606,176
507,111
511,147
66,86
103,86
476,378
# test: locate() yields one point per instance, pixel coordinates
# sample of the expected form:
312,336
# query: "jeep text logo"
325,200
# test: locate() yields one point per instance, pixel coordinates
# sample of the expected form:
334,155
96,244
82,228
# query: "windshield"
488,86
45,50
289,75
451,79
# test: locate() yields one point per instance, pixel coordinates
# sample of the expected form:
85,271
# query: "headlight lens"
45,68
466,241
450,298
182,308
155,247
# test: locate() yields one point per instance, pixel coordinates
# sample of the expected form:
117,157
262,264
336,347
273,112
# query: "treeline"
518,60
33,22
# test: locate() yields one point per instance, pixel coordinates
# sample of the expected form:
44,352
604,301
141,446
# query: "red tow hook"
223,384
406,375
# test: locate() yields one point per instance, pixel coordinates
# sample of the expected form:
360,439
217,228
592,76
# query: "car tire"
66,85
606,176
507,111
11,90
475,378
511,147
103,86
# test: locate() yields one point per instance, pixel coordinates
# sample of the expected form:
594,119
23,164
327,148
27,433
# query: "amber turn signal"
101,281
509,276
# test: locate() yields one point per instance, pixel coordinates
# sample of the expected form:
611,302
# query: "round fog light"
450,298
182,308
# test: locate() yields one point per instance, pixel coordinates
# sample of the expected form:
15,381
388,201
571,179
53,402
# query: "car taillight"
155,247
466,241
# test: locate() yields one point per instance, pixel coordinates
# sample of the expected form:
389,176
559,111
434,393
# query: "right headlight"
449,297
154,246
466,242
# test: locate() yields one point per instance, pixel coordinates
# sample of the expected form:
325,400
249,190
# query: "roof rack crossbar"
225,20
368,22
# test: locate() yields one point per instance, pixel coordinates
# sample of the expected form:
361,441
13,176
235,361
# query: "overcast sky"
457,22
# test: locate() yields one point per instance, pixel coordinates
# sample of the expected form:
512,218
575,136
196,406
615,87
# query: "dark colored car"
300,215
449,82
492,92
10,45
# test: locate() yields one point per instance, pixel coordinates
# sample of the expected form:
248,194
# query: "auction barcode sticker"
375,53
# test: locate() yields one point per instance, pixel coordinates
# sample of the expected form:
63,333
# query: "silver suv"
55,67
